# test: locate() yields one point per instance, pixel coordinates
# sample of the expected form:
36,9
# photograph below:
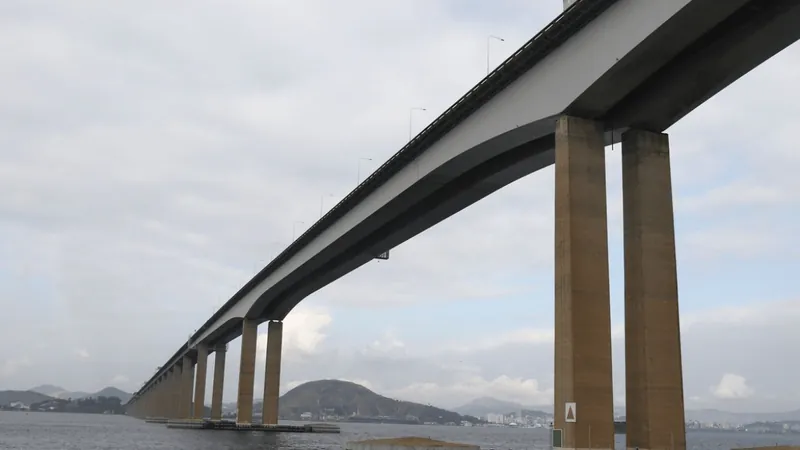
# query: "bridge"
603,71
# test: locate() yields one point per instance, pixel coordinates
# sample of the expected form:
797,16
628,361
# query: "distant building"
306,416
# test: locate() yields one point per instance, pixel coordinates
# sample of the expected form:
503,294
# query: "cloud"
525,391
303,333
732,386
521,369
10,367
120,380
82,353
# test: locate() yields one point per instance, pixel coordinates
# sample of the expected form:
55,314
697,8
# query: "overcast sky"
154,154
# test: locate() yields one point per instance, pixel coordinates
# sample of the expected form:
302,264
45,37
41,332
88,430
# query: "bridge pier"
582,299
174,391
247,368
219,381
200,382
163,406
187,387
272,373
653,378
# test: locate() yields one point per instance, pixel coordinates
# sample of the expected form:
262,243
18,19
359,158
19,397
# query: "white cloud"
82,353
303,333
10,367
120,380
387,344
517,389
732,386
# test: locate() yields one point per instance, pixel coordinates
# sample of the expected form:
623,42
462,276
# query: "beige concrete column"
200,382
247,368
145,403
187,387
175,394
166,395
582,301
152,404
272,374
653,370
219,382
162,397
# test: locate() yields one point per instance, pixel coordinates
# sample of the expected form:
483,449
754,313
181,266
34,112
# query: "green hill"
345,399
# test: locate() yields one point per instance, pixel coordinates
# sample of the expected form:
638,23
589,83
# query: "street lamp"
294,228
322,202
359,168
411,119
488,40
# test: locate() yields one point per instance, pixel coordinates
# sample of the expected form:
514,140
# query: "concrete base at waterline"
229,425
155,420
407,443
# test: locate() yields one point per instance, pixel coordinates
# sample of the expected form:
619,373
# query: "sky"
154,155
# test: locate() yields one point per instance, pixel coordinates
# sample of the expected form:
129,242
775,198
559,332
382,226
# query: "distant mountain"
715,415
26,397
59,392
345,399
482,406
111,391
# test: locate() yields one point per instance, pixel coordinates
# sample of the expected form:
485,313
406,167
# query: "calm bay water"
53,431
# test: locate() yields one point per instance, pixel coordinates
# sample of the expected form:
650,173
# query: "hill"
345,399
26,397
740,418
61,393
58,392
111,391
482,406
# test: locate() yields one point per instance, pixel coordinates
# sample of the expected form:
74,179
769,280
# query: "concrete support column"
145,404
175,392
582,301
152,400
653,368
162,397
272,375
200,382
247,369
219,382
166,397
187,388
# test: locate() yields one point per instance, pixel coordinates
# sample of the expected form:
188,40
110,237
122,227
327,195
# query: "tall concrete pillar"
272,375
162,396
219,382
145,403
247,369
187,387
200,382
653,368
584,409
152,400
175,394
166,394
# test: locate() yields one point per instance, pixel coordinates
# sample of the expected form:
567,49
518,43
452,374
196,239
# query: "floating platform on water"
407,443
229,425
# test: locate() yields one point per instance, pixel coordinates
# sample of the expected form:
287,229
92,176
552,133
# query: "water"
53,431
